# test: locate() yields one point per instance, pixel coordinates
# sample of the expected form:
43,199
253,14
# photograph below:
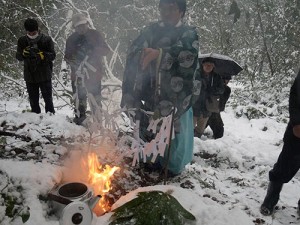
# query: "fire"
99,177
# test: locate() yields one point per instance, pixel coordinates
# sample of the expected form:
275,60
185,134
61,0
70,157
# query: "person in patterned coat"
161,71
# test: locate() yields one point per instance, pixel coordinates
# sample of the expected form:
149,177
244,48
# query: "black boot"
271,198
79,120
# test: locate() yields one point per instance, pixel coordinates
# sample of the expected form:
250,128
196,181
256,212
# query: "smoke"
74,171
76,167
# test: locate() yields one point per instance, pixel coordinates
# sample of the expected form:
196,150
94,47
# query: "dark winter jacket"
224,97
294,102
91,45
212,85
35,69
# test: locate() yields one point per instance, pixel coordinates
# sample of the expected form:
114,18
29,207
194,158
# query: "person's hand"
40,55
26,52
296,131
149,54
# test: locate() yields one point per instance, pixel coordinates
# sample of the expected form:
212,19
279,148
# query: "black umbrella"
224,65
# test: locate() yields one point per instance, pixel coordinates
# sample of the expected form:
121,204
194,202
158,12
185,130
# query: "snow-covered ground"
224,185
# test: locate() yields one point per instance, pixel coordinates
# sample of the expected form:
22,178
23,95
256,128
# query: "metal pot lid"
76,213
72,190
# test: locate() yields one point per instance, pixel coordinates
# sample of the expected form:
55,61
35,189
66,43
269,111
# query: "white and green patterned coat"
173,79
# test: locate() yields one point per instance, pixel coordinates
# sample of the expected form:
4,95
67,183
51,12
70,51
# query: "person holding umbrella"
213,96
215,121
159,76
224,65
209,100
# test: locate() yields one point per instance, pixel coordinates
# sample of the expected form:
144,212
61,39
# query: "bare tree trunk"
264,39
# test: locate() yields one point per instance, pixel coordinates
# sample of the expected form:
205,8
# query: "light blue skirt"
181,151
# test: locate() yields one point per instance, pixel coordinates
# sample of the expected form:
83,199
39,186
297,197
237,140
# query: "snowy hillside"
224,185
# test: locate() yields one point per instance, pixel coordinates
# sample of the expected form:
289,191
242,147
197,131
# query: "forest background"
263,36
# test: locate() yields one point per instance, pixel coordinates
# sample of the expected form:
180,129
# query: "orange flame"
99,178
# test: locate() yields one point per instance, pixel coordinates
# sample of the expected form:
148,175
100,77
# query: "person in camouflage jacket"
161,72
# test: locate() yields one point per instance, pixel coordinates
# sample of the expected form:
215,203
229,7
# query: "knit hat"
31,25
79,19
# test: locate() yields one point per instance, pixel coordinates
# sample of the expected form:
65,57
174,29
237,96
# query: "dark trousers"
288,162
81,90
216,124
33,90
